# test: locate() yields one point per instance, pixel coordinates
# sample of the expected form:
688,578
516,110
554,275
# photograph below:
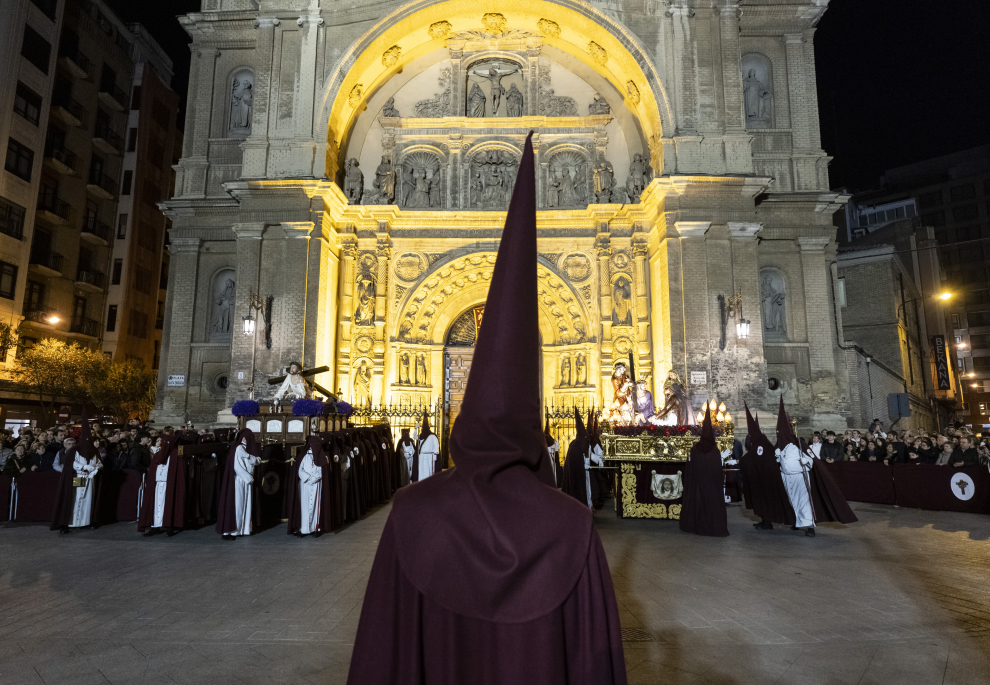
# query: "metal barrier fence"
562,425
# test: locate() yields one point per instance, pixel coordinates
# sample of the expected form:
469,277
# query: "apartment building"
76,131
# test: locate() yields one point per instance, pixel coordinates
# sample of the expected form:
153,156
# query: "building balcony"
51,207
68,110
108,140
46,262
61,160
87,327
113,97
86,279
75,62
159,323
95,231
101,185
38,313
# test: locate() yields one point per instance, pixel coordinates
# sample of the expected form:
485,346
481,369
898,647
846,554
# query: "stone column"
249,237
603,250
383,254
177,337
345,315
290,285
255,160
751,363
821,337
644,351
798,79
532,104
458,108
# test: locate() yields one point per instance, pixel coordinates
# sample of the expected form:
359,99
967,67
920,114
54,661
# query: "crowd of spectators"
122,447
954,446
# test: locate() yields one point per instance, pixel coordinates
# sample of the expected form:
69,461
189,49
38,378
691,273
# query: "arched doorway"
457,354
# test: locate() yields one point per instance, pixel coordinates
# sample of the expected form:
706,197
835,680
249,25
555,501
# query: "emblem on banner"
963,486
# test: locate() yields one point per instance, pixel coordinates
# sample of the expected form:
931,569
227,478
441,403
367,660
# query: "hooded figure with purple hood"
508,582
703,509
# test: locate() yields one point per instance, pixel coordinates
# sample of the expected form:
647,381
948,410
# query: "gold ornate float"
656,446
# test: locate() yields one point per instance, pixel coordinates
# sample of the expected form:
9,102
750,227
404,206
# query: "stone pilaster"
821,333
348,272
249,238
697,299
255,160
194,163
288,339
750,362
177,336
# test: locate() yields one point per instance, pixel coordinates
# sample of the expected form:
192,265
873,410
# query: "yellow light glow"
945,296
713,405
971,374
720,417
721,408
53,319
728,417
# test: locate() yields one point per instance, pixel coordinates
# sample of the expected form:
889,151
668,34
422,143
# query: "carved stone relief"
492,82
599,106
492,176
420,181
440,30
633,91
604,177
409,266
222,304
391,56
553,105
550,29
577,267
389,109
639,176
598,53
241,103
412,369
567,181
622,305
353,182
439,105
383,191
362,383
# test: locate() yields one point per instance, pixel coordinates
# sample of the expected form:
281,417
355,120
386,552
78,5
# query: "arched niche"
757,80
490,81
240,102
222,294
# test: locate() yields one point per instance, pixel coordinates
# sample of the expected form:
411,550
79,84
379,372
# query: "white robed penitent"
592,456
793,465
161,486
244,464
409,453
429,450
310,489
82,510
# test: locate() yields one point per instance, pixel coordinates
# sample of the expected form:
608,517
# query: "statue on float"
676,408
621,410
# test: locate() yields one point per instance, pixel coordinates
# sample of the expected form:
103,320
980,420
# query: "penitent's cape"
227,504
507,582
703,508
763,488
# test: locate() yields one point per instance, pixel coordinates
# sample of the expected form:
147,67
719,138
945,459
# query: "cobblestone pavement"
902,597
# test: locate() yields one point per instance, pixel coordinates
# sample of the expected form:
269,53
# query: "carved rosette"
633,92
441,30
494,22
357,92
391,56
598,53
550,29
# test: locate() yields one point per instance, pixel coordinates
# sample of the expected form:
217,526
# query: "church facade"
346,172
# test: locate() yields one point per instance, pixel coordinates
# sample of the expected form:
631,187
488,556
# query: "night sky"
899,81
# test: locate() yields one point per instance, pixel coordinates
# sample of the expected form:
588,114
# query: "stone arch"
450,288
232,118
423,26
222,293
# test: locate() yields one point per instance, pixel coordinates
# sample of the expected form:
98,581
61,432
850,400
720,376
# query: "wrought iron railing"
94,226
84,326
106,133
103,181
94,278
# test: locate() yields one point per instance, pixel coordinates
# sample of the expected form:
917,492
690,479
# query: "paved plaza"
902,597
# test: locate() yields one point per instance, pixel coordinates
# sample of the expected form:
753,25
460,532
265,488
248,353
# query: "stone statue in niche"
224,302
477,102
772,304
362,384
514,102
241,103
580,184
364,313
421,191
580,370
553,188
421,378
385,180
353,182
604,181
408,185
599,106
565,371
494,73
638,177
622,302
421,181
756,98
389,109
404,368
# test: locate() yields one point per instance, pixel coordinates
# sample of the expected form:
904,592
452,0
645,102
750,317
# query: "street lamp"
53,319
732,307
249,325
945,296
257,304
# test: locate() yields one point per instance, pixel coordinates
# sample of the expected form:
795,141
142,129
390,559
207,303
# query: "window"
78,309
34,296
933,219
977,297
840,292
47,6
128,180
36,49
136,98
960,193
981,363
961,364
980,342
118,267
27,103
928,200
958,339
11,219
111,318
965,213
8,280
20,159
978,319
132,140
122,226
955,321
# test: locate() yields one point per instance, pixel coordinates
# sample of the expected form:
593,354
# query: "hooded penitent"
424,449
226,508
703,508
554,457
293,501
65,496
487,561
175,489
763,488
575,477
785,432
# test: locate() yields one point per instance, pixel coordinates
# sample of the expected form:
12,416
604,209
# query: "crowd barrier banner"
6,482
36,496
864,481
943,488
